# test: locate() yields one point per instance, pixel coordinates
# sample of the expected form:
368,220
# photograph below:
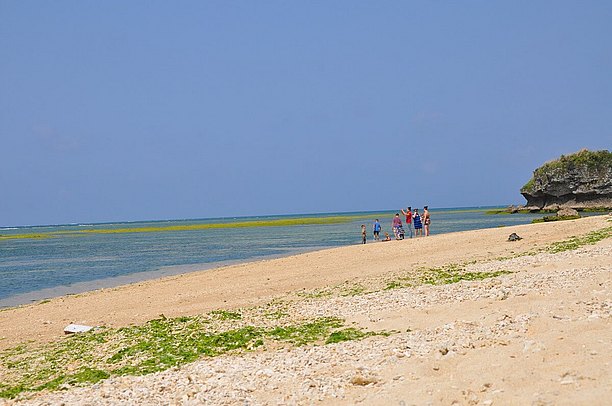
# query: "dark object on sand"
514,237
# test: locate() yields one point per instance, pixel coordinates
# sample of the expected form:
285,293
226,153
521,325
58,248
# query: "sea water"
36,268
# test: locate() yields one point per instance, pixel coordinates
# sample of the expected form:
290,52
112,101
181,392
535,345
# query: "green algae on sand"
154,346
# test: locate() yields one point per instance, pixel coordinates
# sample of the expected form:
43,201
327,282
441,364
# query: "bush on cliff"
592,160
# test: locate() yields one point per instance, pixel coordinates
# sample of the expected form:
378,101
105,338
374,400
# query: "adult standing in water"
418,224
426,220
408,214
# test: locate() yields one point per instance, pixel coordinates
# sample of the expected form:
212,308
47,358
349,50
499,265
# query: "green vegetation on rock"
595,210
597,161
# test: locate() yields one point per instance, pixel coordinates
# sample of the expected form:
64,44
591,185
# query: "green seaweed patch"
11,391
316,293
226,315
306,333
519,211
351,334
547,219
276,315
444,276
394,284
343,289
518,255
83,376
284,222
24,236
451,273
157,345
353,290
239,224
595,210
577,242
498,212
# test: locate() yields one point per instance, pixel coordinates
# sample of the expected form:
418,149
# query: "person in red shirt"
408,214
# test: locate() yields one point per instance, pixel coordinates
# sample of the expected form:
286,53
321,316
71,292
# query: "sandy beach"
194,193
539,333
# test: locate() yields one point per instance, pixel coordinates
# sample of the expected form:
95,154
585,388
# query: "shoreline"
36,296
463,318
28,282
78,287
252,283
46,294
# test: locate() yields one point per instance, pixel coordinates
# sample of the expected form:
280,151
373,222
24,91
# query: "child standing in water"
376,230
363,233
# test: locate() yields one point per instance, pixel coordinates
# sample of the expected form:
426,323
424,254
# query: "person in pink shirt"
396,225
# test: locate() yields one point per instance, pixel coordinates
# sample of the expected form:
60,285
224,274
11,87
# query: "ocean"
47,261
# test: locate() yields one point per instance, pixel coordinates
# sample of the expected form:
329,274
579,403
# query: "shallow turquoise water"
33,269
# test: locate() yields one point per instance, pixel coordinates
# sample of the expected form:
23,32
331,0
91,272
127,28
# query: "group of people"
414,220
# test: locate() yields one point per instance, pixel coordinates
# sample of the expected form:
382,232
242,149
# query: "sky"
143,110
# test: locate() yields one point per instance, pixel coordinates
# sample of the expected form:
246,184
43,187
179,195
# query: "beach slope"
468,318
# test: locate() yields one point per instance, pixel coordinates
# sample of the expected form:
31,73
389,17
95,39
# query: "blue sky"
141,110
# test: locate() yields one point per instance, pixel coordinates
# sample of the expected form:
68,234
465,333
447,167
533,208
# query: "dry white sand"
540,335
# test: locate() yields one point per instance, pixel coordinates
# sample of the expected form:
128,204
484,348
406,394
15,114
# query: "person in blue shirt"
376,230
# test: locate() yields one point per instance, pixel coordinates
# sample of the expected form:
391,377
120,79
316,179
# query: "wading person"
408,214
396,224
363,233
418,225
376,230
426,220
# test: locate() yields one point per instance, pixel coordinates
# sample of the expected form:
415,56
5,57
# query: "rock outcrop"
579,181
567,212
